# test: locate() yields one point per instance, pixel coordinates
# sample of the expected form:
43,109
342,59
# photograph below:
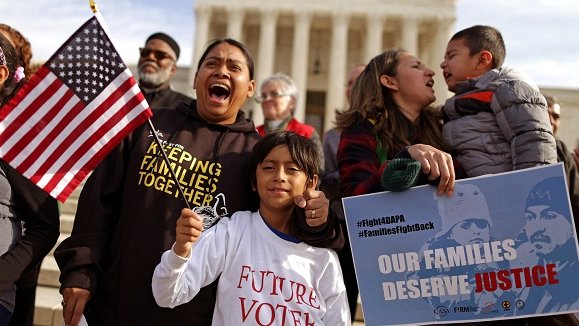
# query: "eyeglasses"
158,54
269,96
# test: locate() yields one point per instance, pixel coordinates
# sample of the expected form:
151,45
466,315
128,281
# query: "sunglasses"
481,224
158,54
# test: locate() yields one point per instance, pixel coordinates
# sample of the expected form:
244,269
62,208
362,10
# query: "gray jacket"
498,122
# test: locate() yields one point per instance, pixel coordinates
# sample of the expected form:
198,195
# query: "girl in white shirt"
267,275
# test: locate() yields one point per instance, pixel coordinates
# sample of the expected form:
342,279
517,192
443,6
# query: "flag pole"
94,8
166,158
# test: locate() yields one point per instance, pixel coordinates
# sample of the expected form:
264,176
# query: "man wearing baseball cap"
157,66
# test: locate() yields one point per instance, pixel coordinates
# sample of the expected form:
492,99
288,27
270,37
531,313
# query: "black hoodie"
129,206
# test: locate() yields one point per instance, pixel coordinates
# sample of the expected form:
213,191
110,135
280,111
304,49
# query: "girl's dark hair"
235,43
302,150
10,87
373,101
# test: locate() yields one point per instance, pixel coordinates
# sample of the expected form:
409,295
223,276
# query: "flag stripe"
57,119
63,130
87,141
40,125
45,118
73,133
14,124
44,142
134,119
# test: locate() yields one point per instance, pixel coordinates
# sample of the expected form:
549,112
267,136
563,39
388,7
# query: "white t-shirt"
265,280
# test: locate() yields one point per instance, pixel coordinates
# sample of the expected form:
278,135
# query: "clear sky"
542,36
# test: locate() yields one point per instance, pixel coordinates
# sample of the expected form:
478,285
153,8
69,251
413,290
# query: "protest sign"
503,246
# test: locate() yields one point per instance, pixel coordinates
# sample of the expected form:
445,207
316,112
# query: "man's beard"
156,79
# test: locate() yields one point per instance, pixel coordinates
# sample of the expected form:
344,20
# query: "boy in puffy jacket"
497,121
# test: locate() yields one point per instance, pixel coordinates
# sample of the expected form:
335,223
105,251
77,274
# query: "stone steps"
48,311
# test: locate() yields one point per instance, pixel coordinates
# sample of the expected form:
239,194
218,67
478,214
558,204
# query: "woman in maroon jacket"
390,118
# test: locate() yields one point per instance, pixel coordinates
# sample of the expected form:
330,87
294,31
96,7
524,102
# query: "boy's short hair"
484,38
302,150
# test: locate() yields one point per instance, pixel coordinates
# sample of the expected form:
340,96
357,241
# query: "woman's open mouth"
219,92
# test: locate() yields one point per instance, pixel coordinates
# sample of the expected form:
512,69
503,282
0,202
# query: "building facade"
318,42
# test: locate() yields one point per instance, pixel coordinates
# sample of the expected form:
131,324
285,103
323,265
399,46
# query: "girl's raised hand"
188,231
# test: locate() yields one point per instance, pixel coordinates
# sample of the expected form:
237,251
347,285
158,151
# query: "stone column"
235,16
443,34
410,34
335,97
300,53
202,17
374,31
266,55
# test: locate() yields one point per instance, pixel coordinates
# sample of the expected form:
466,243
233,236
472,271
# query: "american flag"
72,112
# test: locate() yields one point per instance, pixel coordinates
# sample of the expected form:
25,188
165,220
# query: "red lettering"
244,275
313,302
265,314
296,316
291,293
538,278
243,313
260,281
504,279
308,321
284,310
300,291
527,273
277,285
551,274
478,280
516,272
253,283
490,281
270,313
534,276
